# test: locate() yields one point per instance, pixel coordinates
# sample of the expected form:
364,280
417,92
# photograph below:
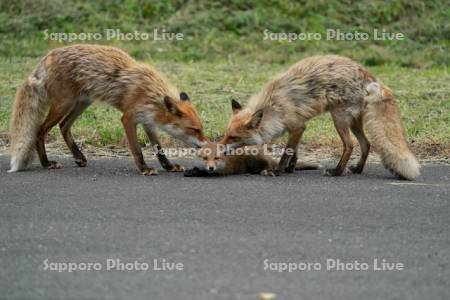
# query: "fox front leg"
129,124
163,160
292,163
289,158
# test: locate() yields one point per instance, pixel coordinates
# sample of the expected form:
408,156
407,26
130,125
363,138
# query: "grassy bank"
234,29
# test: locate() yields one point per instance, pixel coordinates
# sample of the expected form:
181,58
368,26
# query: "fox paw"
291,165
149,172
290,168
81,162
176,168
355,169
53,165
335,172
269,173
331,172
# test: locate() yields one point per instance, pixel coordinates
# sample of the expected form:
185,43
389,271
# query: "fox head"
181,120
212,157
244,127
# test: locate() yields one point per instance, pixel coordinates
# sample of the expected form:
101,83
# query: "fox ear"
235,106
184,96
256,119
171,106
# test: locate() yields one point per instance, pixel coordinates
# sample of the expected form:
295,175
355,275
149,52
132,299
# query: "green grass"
423,95
234,29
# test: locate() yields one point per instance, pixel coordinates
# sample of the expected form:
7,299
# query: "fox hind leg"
364,145
342,124
55,115
65,127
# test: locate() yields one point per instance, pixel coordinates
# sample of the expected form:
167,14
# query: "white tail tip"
409,168
15,166
373,88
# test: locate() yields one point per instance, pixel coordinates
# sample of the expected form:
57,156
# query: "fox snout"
210,167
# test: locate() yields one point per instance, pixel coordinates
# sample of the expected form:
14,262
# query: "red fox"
325,84
214,162
68,79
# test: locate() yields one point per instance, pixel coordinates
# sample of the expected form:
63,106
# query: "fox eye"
216,158
196,130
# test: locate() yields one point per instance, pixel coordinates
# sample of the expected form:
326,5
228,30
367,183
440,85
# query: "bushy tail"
29,107
386,134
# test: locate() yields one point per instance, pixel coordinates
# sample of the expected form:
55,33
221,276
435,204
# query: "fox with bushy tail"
321,84
30,104
66,82
381,117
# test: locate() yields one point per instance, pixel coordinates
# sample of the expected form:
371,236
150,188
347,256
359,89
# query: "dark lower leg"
129,124
65,126
163,160
344,134
290,152
79,157
292,163
40,148
53,117
364,145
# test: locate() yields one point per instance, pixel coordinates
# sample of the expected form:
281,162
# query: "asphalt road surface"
230,236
